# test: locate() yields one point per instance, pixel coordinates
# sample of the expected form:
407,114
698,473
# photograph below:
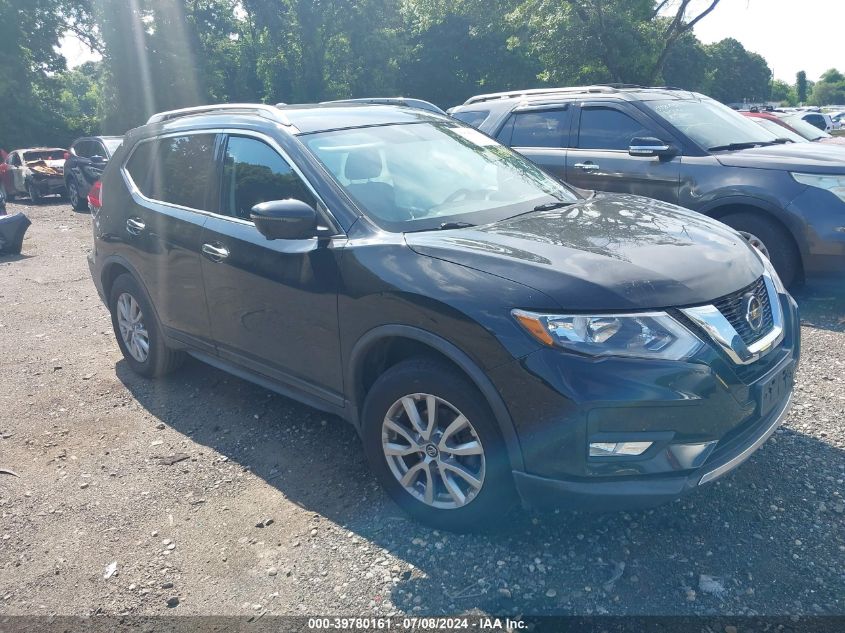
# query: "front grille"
732,308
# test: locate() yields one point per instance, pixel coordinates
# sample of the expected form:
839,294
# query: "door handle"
135,226
586,166
215,253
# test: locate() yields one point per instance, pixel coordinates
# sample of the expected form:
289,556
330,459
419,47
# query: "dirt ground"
204,494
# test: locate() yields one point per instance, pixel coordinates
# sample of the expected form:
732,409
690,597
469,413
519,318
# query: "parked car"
681,147
85,163
488,330
819,120
792,127
33,172
807,130
776,126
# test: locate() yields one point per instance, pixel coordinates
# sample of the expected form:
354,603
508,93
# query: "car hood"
820,158
611,252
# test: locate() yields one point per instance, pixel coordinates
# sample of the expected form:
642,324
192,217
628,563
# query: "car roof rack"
409,102
262,109
594,88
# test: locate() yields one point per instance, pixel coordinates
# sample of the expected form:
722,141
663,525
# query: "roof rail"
410,102
262,109
537,91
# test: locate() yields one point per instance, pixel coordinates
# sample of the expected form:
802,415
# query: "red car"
793,127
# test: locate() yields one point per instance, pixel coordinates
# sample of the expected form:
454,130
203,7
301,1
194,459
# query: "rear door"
98,159
174,190
600,160
541,134
272,303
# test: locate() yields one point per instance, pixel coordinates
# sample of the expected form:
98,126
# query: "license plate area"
775,389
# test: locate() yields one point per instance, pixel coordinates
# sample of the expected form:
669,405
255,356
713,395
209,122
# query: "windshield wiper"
548,206
746,145
455,225
782,140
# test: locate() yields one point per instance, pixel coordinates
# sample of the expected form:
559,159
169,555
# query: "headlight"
770,270
647,335
833,184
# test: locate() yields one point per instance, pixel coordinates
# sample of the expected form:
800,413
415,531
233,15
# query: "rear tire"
777,243
429,463
76,200
138,331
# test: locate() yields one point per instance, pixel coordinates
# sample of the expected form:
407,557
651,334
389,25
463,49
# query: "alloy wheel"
756,242
130,322
433,451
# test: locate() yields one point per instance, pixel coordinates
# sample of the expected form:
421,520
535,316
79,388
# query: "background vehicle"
85,163
819,120
792,127
400,101
33,172
416,278
682,147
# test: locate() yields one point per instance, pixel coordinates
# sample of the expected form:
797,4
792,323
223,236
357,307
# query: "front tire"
32,191
434,445
138,331
772,240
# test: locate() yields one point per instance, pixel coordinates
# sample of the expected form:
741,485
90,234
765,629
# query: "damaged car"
33,173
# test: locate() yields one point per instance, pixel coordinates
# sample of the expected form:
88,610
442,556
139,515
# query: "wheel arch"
384,346
723,207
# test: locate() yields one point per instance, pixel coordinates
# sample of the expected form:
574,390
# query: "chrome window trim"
136,193
719,329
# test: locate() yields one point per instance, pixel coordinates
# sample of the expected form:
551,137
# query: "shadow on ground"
770,534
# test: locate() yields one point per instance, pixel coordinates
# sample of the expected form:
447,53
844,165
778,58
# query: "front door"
600,160
272,303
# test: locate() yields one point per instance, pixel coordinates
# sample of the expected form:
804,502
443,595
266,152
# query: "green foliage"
165,54
735,74
830,89
801,86
783,93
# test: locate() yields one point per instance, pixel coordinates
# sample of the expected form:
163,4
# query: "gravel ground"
204,494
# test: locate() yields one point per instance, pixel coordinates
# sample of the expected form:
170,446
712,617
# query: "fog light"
618,449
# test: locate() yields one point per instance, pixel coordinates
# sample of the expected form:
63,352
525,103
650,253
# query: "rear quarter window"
472,117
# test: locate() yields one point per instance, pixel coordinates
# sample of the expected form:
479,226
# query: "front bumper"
822,215
642,492
704,417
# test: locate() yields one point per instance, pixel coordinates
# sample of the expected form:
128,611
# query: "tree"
801,86
782,92
829,89
736,74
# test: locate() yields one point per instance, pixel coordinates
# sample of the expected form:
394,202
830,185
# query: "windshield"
807,130
112,144
778,129
709,123
46,154
422,176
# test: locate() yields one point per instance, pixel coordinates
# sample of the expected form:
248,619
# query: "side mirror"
650,146
285,219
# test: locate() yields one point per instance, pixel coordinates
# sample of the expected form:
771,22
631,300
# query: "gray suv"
788,199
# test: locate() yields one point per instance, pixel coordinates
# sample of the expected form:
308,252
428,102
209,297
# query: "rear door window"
608,129
177,169
544,128
82,149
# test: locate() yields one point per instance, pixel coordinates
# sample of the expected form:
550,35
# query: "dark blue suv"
785,198
487,330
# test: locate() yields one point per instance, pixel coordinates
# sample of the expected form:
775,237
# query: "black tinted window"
472,117
547,128
178,169
97,149
82,149
254,172
605,128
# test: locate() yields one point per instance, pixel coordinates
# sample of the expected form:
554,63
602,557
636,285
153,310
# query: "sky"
792,35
